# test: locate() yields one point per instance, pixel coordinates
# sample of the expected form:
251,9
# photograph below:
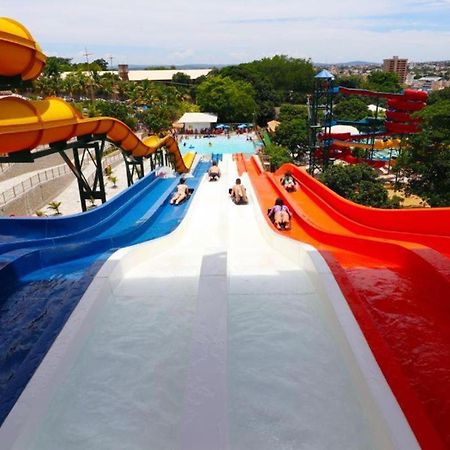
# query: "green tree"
351,108
289,112
232,101
182,78
101,63
426,161
292,134
156,119
278,155
56,65
290,76
436,96
266,96
120,111
383,82
358,183
350,81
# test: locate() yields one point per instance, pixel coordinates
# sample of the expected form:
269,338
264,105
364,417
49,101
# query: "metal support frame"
84,150
320,115
134,167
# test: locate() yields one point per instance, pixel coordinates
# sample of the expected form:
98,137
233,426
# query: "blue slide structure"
47,264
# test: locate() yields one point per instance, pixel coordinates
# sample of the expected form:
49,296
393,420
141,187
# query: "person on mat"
238,193
181,193
289,182
280,215
214,171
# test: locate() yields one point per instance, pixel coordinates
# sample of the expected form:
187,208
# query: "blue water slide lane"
47,279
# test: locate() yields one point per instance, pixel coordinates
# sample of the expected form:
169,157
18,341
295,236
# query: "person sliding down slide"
214,172
288,181
181,193
280,215
238,193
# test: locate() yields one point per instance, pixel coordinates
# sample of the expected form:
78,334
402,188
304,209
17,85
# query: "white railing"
46,175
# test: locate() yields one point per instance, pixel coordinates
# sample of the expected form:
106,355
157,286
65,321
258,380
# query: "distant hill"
169,66
349,63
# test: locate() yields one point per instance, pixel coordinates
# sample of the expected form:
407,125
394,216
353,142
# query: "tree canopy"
358,183
350,108
426,161
381,81
233,101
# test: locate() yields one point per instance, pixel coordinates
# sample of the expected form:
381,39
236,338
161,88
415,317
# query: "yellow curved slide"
20,55
26,124
378,145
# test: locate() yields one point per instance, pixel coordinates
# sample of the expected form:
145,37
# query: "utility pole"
91,88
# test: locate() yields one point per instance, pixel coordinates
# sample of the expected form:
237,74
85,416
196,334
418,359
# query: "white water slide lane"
221,335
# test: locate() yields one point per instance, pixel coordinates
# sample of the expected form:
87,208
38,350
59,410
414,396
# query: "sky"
175,32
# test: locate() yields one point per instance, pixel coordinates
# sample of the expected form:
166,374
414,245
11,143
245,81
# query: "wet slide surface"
38,302
209,338
398,290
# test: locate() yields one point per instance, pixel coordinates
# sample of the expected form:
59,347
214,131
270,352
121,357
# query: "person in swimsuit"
214,171
181,193
288,181
238,193
280,215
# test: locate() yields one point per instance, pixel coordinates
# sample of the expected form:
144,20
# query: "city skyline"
200,32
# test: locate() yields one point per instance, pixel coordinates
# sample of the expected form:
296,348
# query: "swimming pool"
219,144
383,155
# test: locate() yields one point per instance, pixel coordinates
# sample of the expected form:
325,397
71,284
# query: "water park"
140,324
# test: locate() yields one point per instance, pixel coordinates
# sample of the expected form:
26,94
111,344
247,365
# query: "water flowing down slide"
394,270
222,335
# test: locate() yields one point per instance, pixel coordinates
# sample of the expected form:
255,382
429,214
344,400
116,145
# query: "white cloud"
173,32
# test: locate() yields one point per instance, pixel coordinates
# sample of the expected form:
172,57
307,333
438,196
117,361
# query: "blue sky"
233,31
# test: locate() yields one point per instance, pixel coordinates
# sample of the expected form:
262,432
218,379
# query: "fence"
5,166
42,177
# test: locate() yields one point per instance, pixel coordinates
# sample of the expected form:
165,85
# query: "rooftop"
196,117
153,75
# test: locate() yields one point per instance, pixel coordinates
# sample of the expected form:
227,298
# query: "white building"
195,121
151,75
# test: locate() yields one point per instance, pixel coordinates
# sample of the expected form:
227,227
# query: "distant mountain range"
181,67
349,63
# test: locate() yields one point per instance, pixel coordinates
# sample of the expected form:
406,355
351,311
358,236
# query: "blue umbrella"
244,125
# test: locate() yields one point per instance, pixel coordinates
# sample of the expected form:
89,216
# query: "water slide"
25,124
22,56
394,271
43,279
235,338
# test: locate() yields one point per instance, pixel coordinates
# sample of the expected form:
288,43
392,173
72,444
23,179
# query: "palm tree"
55,207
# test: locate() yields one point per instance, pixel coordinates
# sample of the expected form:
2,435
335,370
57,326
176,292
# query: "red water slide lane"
426,226
397,295
409,95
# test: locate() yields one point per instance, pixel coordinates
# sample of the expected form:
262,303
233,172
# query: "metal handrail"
23,187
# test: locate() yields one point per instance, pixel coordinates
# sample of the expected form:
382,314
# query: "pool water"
219,144
383,155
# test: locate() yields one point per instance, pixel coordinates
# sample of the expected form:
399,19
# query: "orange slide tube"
26,124
396,289
20,55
